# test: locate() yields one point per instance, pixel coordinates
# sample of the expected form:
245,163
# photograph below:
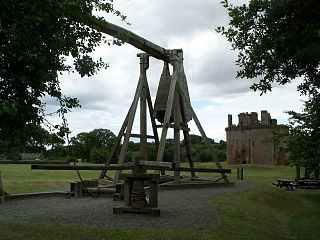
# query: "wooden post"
298,176
144,65
240,173
176,57
153,193
316,173
1,190
127,192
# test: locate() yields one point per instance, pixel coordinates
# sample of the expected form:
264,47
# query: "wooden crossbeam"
128,167
79,167
178,127
135,135
208,170
33,162
127,36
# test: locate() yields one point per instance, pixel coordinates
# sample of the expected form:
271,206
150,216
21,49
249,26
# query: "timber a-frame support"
179,104
142,96
178,112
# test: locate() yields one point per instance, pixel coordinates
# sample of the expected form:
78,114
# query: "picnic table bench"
309,183
289,184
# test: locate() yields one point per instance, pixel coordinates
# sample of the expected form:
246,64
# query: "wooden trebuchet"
172,106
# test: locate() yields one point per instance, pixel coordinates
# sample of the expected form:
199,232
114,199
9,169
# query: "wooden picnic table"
289,184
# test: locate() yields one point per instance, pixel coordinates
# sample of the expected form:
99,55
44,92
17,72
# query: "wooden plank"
127,167
33,162
159,164
208,170
135,135
187,169
79,167
130,37
177,126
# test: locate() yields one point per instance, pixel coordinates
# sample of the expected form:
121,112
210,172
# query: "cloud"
209,65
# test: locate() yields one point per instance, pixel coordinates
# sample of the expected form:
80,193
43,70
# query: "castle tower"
251,140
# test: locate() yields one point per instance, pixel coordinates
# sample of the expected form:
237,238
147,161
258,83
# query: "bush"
98,155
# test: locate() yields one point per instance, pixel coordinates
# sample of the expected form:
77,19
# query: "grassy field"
263,213
21,179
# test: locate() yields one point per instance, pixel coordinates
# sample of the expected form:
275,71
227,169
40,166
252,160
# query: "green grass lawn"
263,213
21,179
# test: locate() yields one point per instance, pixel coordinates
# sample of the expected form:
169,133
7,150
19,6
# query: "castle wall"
250,142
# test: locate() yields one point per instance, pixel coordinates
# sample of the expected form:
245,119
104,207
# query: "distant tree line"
94,147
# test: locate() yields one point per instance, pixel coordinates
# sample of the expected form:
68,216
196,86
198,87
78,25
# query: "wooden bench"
309,183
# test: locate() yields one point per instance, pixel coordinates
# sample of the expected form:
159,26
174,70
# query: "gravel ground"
187,208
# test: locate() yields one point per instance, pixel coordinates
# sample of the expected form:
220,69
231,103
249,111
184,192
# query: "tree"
39,141
36,38
101,140
98,155
277,41
304,136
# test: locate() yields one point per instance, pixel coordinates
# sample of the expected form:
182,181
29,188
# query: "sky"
209,65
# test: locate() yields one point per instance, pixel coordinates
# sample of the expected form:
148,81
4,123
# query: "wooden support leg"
204,137
116,144
186,136
172,90
176,130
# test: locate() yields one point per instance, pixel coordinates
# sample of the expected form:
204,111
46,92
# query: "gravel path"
179,209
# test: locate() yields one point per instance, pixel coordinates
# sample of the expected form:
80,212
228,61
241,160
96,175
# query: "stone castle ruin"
251,141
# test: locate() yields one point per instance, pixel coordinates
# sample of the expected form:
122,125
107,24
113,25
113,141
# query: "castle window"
252,143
